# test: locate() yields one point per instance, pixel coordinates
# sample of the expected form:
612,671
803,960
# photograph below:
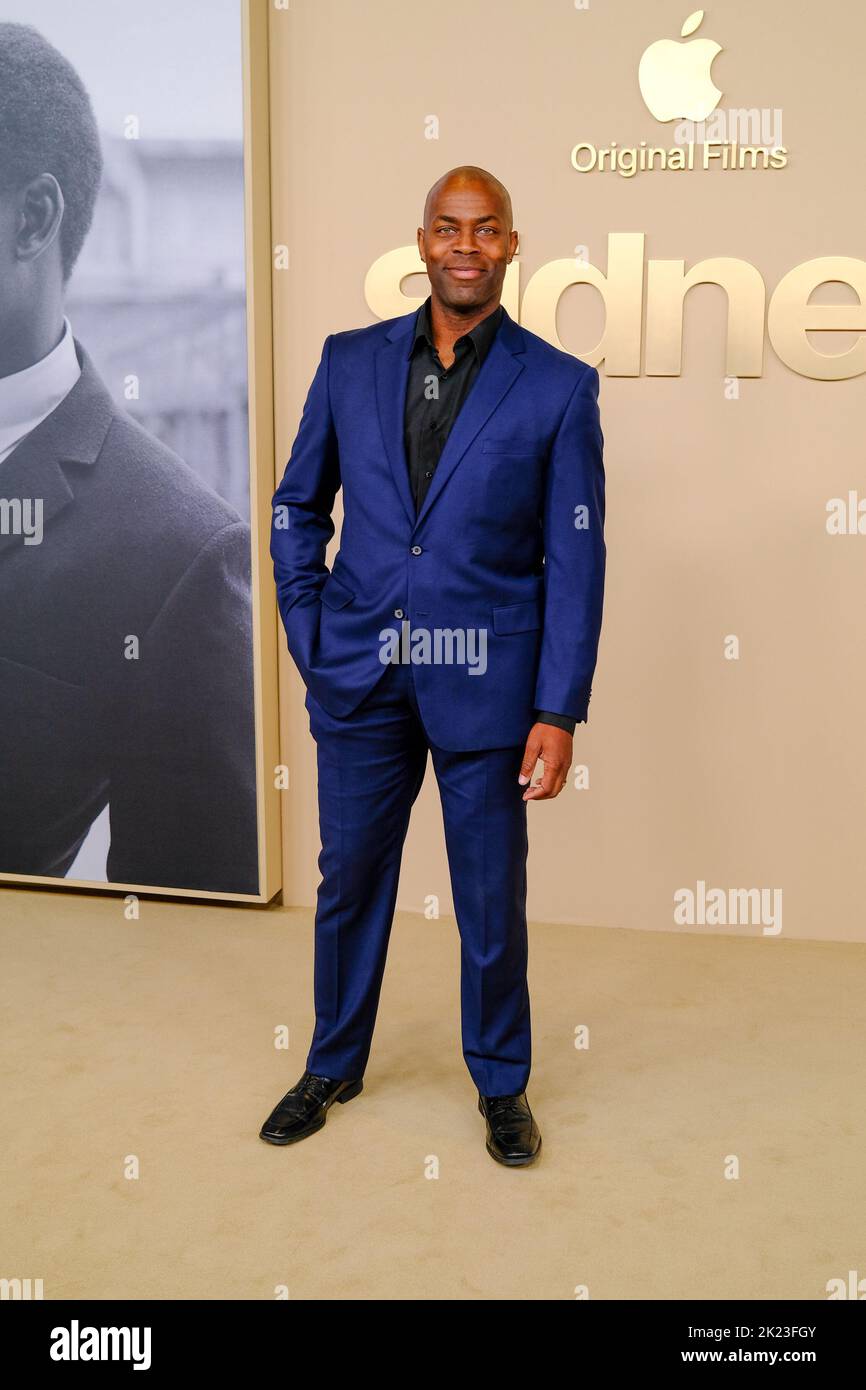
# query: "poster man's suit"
135,543
508,543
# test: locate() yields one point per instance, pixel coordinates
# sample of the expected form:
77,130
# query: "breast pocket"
517,448
32,697
511,474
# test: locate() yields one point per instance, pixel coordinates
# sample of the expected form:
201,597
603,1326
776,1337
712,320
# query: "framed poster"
138,705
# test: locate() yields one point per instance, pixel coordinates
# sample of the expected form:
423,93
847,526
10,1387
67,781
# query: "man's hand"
554,747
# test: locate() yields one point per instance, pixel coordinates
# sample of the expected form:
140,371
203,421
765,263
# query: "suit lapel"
392,381
500,369
74,432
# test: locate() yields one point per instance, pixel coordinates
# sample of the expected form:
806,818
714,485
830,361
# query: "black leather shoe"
512,1134
304,1108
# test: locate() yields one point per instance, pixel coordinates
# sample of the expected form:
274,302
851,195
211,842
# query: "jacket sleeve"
182,769
301,524
574,556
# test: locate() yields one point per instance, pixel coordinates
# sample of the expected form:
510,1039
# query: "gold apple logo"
675,79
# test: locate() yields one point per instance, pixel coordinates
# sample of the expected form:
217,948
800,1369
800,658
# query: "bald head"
460,177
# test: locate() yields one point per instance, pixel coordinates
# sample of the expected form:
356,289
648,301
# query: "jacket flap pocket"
517,617
336,595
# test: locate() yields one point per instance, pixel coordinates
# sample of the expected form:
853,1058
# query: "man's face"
8,262
466,245
30,255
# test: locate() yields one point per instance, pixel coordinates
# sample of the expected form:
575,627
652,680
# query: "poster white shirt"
27,397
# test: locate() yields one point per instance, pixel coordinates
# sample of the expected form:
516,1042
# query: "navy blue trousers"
370,766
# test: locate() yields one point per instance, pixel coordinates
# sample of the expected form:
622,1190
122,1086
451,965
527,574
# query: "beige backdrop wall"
746,773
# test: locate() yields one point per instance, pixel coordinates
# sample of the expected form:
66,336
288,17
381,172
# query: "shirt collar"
481,336
26,397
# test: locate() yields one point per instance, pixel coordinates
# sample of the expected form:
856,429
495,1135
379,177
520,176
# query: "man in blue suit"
461,617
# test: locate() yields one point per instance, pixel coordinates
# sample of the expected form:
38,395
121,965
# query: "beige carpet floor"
138,1063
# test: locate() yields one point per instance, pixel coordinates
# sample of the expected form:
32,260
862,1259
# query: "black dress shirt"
434,397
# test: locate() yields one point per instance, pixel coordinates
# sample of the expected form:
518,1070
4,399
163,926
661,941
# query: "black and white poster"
127,730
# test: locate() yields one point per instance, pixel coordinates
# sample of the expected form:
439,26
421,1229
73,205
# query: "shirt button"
398,612
428,474
416,550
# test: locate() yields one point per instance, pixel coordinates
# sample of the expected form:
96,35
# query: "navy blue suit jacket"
509,540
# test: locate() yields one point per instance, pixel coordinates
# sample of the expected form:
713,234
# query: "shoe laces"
318,1086
500,1105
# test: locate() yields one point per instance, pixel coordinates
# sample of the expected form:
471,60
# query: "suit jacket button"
416,550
